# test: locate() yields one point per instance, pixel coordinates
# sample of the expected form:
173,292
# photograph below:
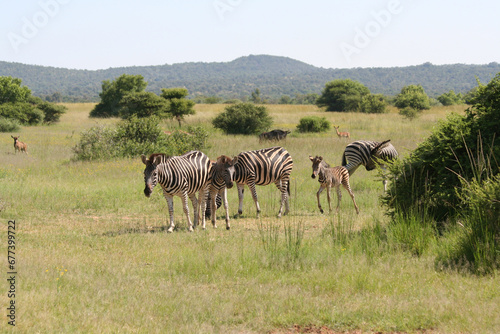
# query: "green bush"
24,112
134,137
373,104
313,124
243,118
428,179
51,112
8,125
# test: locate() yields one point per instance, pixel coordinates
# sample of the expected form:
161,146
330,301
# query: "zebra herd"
193,172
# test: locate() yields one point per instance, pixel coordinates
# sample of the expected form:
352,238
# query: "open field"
93,256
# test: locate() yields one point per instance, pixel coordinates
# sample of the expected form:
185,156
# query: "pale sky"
331,34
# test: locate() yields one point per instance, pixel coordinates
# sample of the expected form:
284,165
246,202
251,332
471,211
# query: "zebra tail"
344,161
288,187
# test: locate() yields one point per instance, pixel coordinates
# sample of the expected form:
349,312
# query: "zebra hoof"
321,210
227,228
170,230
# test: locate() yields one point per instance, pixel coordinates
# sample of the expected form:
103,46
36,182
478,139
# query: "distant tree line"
277,78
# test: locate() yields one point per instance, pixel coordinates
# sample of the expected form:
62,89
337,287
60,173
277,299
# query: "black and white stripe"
329,177
263,167
369,154
181,176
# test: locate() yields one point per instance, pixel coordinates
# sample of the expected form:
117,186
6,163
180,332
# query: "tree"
373,104
450,98
114,91
413,96
243,118
143,104
342,95
255,97
11,90
179,106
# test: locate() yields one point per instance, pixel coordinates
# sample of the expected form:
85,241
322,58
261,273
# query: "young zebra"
221,178
263,167
181,176
369,154
329,177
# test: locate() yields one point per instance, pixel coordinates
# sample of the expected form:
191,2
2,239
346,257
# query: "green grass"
123,273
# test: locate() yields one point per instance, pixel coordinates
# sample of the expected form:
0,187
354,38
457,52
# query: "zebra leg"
196,207
349,190
282,186
226,206
251,186
328,191
170,202
339,197
213,208
203,205
241,193
185,207
317,195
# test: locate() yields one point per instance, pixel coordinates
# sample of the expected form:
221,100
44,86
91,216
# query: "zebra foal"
329,177
181,176
369,154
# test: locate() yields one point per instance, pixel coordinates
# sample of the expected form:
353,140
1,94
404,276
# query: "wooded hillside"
273,76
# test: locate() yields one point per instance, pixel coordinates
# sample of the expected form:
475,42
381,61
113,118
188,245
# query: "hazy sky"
332,34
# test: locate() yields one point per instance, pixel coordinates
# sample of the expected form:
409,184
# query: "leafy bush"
24,112
427,180
51,112
243,118
8,125
450,98
313,124
136,136
342,95
413,96
373,104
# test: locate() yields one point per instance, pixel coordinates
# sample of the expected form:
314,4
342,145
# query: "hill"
273,76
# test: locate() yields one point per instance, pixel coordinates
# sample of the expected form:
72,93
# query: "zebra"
221,178
181,176
369,154
263,167
329,177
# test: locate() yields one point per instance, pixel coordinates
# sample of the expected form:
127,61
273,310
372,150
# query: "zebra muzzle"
148,191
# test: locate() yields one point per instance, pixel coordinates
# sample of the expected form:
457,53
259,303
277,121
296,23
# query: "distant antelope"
329,177
19,145
342,134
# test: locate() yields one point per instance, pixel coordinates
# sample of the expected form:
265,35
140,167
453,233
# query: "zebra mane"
163,157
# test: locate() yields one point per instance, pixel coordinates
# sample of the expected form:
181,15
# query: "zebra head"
150,172
317,162
224,169
374,154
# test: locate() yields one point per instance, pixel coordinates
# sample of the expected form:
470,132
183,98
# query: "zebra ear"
157,159
144,159
311,158
235,160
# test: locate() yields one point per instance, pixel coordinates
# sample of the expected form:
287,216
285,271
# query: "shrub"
8,125
243,118
373,104
51,112
313,124
136,136
24,112
428,178
342,95
413,96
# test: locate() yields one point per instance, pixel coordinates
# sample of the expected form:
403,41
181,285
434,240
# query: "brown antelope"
329,177
19,145
342,134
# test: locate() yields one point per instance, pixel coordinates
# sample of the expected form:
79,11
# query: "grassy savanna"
93,255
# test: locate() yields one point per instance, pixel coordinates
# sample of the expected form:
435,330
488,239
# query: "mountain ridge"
274,76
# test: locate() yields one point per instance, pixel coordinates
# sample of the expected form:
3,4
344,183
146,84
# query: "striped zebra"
329,177
263,167
181,176
221,178
369,154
